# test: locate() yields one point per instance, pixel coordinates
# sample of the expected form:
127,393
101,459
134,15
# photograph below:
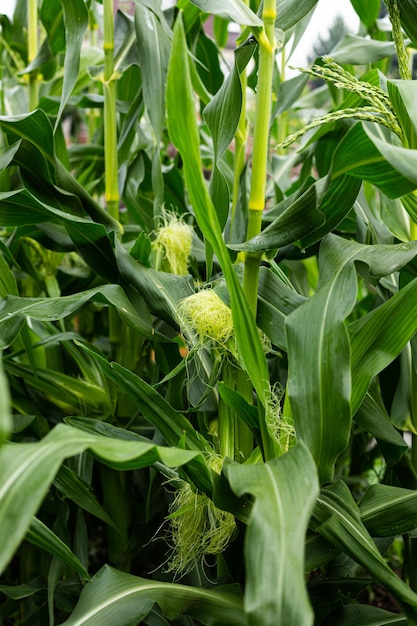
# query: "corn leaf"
378,337
368,10
28,469
360,615
408,12
337,518
116,598
41,536
274,543
319,380
153,48
48,309
76,23
6,424
388,511
235,10
390,167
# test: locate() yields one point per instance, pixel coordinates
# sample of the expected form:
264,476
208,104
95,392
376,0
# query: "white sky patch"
323,18
7,7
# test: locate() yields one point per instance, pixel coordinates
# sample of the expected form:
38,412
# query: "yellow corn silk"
172,245
198,527
205,314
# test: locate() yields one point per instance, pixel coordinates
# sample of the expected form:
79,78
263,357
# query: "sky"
323,18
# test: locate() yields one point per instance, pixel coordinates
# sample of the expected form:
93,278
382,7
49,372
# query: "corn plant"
207,320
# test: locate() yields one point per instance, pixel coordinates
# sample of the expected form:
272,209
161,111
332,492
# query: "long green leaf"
48,309
76,23
403,95
390,167
38,146
235,10
389,511
319,377
6,424
222,116
116,598
360,615
172,424
41,536
408,12
153,48
358,50
290,12
368,10
337,518
28,469
274,542
379,337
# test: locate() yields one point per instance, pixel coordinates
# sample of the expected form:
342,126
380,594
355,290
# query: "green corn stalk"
266,42
110,128
32,8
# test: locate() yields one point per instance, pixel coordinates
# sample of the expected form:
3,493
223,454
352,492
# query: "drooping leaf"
388,511
172,424
28,469
274,544
337,518
386,165
117,598
356,50
319,378
38,146
361,615
47,309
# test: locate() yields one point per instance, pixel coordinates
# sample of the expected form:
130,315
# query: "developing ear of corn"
172,245
208,316
198,527
280,427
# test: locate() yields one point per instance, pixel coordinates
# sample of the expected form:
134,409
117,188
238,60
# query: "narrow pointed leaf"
48,309
76,23
408,12
6,424
360,615
41,536
172,424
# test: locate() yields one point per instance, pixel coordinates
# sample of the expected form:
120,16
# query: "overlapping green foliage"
112,402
